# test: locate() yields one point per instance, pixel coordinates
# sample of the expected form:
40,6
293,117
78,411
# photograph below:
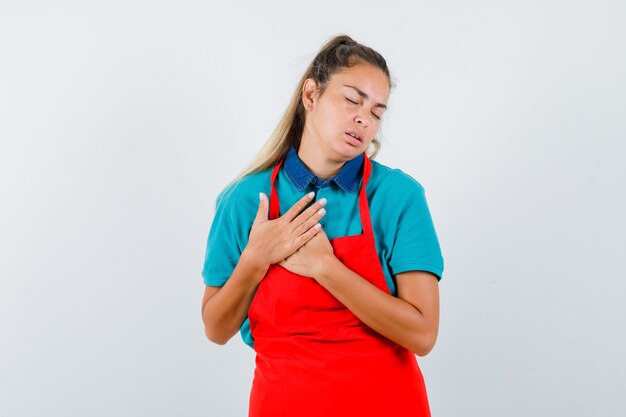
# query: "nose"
360,119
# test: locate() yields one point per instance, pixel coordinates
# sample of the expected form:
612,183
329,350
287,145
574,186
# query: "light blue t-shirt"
404,233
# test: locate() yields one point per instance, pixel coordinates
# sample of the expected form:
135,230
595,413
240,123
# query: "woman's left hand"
309,259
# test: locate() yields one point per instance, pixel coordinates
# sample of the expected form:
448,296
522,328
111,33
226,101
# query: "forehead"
366,78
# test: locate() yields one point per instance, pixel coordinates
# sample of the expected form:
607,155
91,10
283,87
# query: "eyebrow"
364,95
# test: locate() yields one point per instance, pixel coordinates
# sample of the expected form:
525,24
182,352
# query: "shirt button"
313,181
323,225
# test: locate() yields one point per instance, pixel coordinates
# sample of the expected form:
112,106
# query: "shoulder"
388,180
244,191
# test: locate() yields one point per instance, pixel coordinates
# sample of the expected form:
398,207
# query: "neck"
317,160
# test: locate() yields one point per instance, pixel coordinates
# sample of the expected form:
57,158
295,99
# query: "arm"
224,308
410,320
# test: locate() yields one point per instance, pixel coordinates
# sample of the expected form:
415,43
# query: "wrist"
327,265
253,261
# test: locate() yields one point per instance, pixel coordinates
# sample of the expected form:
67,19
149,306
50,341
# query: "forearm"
392,317
225,311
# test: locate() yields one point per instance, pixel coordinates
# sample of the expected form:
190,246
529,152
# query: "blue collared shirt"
348,177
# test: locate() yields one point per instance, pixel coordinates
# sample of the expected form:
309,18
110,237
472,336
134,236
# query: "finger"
309,213
305,237
298,207
307,223
261,214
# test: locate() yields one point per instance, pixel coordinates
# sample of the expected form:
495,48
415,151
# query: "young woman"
332,277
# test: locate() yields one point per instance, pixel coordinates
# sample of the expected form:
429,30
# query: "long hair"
337,54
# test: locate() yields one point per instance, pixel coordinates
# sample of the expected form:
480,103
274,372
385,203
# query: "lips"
353,141
355,134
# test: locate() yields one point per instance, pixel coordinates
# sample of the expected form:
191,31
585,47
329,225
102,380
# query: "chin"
349,152
346,150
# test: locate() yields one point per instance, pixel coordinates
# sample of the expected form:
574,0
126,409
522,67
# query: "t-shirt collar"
347,178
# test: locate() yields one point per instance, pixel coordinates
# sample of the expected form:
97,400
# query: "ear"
309,92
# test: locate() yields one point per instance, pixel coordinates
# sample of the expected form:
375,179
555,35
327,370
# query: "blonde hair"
337,54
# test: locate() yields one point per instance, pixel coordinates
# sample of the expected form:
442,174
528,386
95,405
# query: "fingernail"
261,196
311,194
323,200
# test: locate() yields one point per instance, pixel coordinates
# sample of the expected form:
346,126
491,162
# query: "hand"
310,259
271,241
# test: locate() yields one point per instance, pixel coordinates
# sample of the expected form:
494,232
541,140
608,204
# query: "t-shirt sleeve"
222,249
416,244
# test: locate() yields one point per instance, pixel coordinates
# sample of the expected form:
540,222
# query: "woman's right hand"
271,241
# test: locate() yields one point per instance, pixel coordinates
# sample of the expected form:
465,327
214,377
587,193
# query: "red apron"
314,357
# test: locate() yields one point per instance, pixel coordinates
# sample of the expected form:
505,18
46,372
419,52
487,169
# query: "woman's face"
354,101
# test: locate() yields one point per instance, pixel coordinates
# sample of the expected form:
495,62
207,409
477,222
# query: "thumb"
261,214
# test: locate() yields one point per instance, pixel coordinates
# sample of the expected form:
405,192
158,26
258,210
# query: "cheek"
332,119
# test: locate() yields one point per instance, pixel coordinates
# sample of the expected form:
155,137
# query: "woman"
333,279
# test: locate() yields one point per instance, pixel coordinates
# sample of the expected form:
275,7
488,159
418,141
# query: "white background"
120,121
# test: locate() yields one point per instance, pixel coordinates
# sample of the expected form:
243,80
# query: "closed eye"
354,102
